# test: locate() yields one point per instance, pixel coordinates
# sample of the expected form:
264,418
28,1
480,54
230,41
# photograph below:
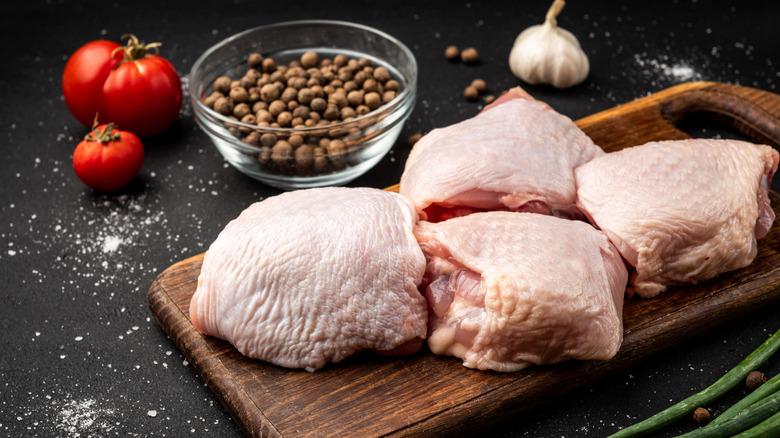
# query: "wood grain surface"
422,395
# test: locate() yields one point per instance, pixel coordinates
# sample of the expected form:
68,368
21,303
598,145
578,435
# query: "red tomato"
107,159
138,91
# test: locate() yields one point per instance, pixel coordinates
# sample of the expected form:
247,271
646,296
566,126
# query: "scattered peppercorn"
701,416
479,84
414,138
470,93
489,99
469,55
452,53
755,379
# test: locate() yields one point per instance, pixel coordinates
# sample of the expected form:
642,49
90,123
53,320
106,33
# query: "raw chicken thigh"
681,211
507,290
314,276
516,155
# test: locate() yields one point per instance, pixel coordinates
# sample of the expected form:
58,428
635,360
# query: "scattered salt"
151,413
84,418
111,243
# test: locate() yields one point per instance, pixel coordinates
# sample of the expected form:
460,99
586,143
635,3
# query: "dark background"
80,353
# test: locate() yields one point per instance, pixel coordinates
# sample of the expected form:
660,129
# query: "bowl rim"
408,92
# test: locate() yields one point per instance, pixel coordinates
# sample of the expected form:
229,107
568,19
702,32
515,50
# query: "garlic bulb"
548,54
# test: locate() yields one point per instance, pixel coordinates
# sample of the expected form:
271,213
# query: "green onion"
706,396
766,429
762,391
744,420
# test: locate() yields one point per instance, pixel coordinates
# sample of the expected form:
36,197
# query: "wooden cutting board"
423,394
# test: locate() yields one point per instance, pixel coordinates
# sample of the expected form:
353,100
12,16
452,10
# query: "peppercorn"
755,379
489,99
414,138
388,96
336,151
264,157
373,100
469,55
252,139
347,112
338,98
362,110
289,94
268,65
299,82
223,106
701,416
381,74
247,82
276,76
284,118
276,107
452,53
255,60
281,153
321,163
242,111
470,93
317,91
331,112
355,97
263,116
340,60
304,157
254,94
269,93
480,85
222,84
268,139
301,111
209,101
318,104
370,85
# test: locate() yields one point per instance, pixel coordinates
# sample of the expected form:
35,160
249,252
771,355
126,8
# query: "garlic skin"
548,54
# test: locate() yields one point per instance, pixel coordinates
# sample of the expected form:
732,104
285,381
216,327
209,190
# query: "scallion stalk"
766,429
770,386
706,396
742,421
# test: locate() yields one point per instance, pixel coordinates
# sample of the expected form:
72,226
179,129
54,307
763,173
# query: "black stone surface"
81,355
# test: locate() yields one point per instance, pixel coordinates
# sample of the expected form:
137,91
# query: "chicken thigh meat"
681,211
516,155
507,290
314,276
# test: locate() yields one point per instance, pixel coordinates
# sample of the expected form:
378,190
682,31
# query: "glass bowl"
334,152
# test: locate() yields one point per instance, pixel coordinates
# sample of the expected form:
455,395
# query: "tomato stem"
104,136
135,50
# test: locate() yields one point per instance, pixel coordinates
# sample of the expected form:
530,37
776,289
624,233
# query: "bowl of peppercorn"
304,104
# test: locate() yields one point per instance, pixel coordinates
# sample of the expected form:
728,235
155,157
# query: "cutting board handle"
753,112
